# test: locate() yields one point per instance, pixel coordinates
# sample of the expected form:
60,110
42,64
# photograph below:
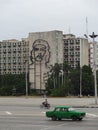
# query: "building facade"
46,49
75,50
41,50
13,55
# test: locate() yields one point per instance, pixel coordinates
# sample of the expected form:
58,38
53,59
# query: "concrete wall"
55,50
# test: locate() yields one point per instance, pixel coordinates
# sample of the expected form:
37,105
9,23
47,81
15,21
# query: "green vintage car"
65,112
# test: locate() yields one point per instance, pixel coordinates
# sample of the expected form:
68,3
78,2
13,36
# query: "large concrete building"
13,55
41,50
75,50
46,48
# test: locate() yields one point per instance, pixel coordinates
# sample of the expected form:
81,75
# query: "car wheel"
74,118
59,119
79,119
54,118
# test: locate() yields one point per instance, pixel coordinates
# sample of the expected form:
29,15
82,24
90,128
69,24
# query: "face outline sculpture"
40,51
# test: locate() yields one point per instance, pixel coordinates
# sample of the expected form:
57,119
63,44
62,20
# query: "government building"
13,55
36,53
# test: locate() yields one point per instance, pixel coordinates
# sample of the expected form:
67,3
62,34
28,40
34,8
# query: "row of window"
72,53
73,66
11,72
72,59
72,41
16,48
10,53
22,62
71,47
14,55
14,44
13,51
20,68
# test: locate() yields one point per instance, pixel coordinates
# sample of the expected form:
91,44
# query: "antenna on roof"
87,27
86,34
69,30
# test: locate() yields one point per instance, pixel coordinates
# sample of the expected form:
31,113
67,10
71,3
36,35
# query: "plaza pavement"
36,101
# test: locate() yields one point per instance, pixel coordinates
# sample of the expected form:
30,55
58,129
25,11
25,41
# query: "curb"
85,106
78,106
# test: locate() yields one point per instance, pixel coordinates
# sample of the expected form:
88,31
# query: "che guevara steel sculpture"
39,54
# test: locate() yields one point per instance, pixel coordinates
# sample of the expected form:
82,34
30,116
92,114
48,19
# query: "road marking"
91,115
9,113
43,112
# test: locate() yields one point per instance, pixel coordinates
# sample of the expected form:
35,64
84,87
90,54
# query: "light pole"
93,36
26,79
80,81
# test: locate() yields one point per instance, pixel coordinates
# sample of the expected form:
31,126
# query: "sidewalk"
74,102
36,101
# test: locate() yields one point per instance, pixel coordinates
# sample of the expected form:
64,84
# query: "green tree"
66,74
54,78
87,81
75,81
55,72
71,80
10,84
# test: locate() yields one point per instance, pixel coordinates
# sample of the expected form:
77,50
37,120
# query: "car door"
64,113
57,112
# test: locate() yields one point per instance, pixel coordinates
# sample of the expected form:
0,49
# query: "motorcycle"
47,106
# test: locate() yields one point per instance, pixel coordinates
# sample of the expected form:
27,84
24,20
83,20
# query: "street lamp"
93,36
80,81
26,78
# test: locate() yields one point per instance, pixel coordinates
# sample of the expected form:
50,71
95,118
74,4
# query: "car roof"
62,107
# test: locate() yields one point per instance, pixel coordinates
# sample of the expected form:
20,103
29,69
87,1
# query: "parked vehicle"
65,112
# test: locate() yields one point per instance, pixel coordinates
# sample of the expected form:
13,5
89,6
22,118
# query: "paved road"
33,118
25,114
36,101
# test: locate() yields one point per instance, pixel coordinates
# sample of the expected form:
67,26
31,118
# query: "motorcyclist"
45,103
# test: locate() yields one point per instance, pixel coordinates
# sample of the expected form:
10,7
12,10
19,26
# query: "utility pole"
93,36
26,78
80,81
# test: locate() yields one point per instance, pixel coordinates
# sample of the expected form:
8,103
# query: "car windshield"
71,109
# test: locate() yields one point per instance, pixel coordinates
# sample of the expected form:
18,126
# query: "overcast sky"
19,17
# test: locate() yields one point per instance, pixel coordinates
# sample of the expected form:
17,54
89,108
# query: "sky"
20,17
